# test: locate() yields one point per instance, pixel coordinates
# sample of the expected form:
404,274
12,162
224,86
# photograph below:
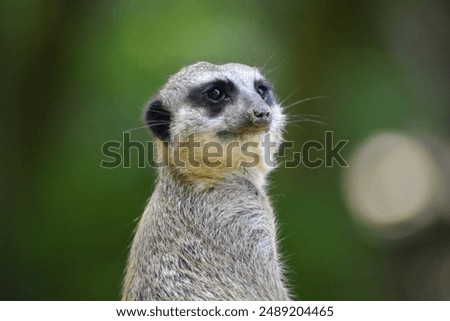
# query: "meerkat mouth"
259,129
250,126
243,132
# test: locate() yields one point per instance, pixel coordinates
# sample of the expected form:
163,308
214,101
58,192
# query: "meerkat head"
213,106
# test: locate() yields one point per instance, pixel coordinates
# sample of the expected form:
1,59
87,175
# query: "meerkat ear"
158,119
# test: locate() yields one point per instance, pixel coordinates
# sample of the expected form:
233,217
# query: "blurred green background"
75,74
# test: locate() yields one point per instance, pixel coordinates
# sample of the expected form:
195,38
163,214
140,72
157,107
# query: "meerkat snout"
260,116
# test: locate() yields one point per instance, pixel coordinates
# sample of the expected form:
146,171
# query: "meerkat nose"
261,114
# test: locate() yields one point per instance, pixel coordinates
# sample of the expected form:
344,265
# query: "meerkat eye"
215,94
262,91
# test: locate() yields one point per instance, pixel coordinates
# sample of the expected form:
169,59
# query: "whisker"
267,62
157,124
284,60
297,126
304,100
290,95
158,121
136,128
160,112
305,120
305,115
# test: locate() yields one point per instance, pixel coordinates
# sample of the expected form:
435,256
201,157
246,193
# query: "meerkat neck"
192,169
170,177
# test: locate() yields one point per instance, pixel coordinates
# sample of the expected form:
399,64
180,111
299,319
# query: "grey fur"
213,240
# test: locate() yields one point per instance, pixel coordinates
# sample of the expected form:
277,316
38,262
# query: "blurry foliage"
76,74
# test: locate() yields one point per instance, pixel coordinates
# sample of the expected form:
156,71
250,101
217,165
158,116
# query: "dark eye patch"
213,95
264,89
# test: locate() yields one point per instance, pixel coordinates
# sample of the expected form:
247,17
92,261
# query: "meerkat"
208,231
